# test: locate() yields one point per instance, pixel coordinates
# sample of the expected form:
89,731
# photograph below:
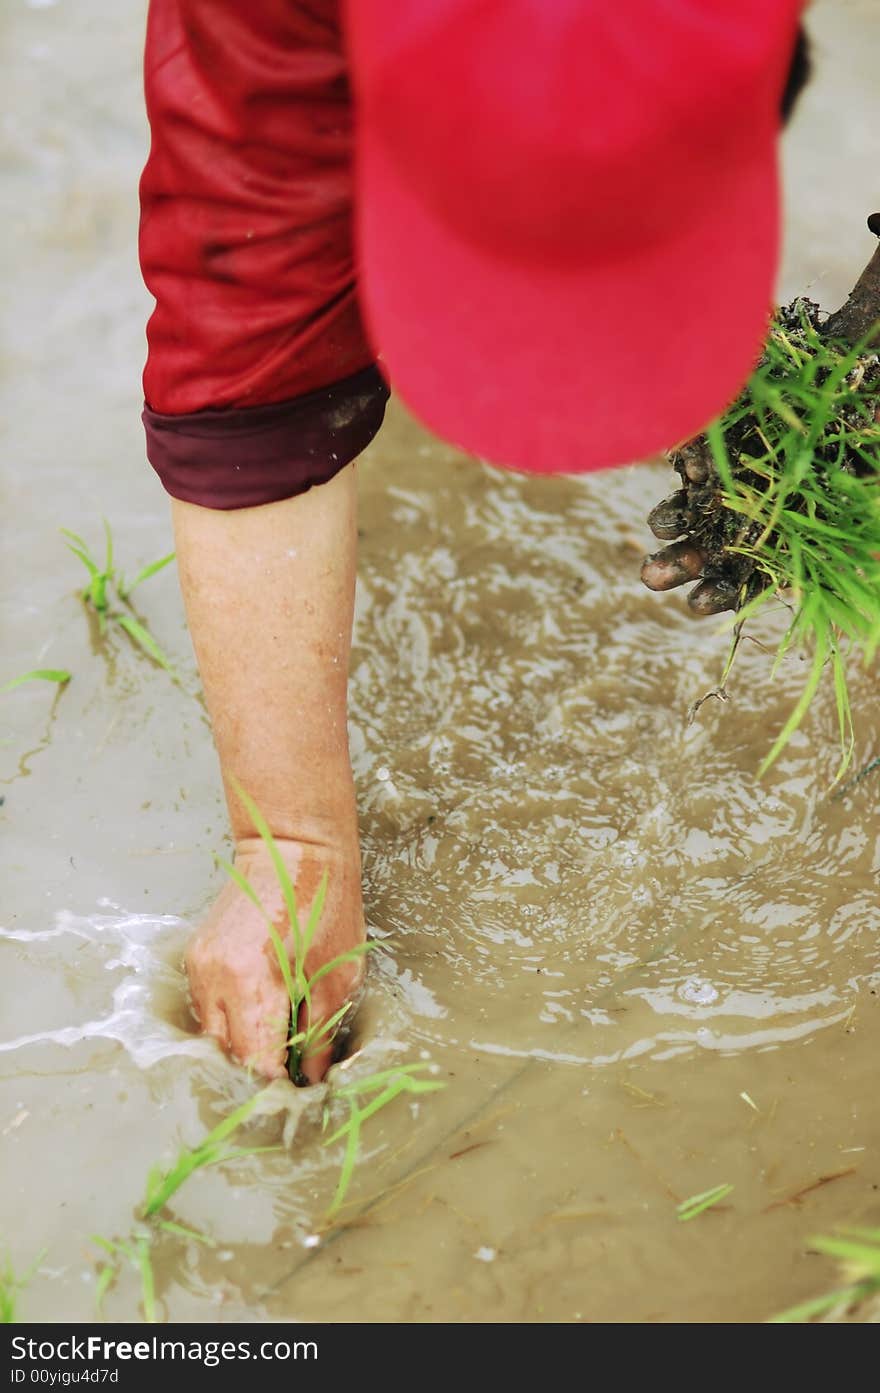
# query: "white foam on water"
146,948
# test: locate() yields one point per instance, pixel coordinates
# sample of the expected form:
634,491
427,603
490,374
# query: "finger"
713,597
669,519
695,460
258,1033
212,1020
207,1007
673,566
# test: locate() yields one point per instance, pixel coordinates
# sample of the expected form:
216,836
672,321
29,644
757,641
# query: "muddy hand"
684,559
237,989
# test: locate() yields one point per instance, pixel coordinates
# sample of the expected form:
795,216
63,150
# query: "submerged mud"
640,972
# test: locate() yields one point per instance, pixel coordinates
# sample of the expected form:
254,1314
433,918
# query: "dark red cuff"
241,458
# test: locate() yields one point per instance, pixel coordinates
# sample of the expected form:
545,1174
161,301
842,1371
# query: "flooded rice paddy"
640,972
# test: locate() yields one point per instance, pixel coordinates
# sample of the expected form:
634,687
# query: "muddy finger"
669,519
695,460
713,597
673,566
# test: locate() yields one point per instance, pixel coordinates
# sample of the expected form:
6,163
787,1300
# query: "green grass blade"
79,548
145,573
87,562
144,639
171,1182
281,870
207,1153
353,1135
154,1182
281,953
243,884
312,1040
379,1079
800,710
39,674
148,1284
850,1231
388,1094
350,955
234,1120
698,1204
315,913
718,446
97,594
864,1256
807,1309
181,1231
77,539
104,1243
103,1282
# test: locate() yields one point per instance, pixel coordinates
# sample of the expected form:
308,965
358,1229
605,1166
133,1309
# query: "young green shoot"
108,594
314,1035
380,1089
137,1252
162,1184
858,1252
364,1097
39,674
798,467
698,1204
11,1286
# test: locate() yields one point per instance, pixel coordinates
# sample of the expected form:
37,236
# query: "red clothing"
246,243
504,274
246,204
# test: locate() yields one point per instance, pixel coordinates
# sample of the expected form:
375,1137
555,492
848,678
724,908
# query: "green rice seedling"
858,1252
364,1097
39,674
803,494
108,594
381,1089
137,1252
781,500
162,1184
698,1204
315,1035
11,1286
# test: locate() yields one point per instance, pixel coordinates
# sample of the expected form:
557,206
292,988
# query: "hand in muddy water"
237,990
685,560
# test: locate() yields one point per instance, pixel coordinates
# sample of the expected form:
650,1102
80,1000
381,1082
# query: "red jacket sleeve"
246,237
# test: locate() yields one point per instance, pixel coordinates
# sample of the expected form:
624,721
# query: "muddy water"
640,972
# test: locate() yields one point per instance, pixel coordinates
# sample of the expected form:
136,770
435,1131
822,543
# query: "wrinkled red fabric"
245,237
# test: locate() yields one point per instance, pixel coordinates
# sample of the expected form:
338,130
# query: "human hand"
688,519
238,992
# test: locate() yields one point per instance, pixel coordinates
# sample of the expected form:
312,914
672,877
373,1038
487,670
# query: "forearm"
269,595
